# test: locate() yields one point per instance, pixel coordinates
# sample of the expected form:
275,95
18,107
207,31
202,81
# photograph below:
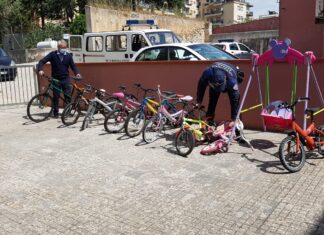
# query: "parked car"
182,51
8,69
235,48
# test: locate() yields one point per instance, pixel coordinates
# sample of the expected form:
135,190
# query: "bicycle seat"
77,78
168,93
186,98
312,110
118,94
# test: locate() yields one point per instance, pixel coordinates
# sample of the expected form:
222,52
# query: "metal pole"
260,95
318,89
241,105
307,91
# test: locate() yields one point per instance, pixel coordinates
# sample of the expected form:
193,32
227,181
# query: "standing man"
220,77
60,61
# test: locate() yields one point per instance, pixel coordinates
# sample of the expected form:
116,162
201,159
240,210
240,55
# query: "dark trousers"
66,88
234,97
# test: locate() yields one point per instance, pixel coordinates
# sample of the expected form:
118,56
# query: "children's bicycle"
155,126
115,120
222,135
40,106
103,103
291,150
192,131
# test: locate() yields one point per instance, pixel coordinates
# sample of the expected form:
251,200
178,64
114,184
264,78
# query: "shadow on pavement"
319,228
270,167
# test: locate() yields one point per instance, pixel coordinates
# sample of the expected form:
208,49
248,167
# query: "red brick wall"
297,22
182,77
256,25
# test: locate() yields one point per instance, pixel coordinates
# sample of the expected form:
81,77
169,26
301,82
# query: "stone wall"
28,55
190,30
256,40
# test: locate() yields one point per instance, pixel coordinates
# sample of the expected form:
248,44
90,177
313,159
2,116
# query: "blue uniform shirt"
60,63
220,76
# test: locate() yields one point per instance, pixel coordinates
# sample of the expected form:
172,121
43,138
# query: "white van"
119,45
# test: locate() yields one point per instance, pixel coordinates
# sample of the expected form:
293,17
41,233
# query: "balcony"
215,2
214,13
249,13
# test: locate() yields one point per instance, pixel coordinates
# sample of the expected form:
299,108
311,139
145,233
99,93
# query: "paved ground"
58,180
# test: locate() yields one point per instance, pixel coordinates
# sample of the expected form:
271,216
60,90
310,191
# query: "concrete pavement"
58,180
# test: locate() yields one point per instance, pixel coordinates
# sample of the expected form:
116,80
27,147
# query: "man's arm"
43,61
202,84
73,67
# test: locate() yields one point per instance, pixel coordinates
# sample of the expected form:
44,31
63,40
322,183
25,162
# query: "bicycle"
99,105
291,150
222,134
72,111
40,107
136,120
155,126
192,131
115,120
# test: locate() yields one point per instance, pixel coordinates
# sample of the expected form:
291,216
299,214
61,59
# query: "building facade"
225,12
191,8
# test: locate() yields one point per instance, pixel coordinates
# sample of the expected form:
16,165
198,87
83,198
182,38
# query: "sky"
261,7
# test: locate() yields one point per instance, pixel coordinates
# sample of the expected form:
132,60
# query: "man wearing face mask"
60,61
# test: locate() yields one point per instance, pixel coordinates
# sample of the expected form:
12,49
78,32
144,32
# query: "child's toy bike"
223,134
291,150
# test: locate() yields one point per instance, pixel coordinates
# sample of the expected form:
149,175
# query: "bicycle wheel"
320,138
115,121
71,113
85,122
185,142
88,117
134,123
291,158
40,107
152,129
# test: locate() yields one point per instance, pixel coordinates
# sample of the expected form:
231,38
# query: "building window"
240,8
116,43
94,43
239,18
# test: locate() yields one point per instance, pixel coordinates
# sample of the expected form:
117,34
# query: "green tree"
53,31
12,18
78,26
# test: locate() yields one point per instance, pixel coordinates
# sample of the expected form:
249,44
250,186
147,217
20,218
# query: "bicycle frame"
305,134
199,135
147,102
93,106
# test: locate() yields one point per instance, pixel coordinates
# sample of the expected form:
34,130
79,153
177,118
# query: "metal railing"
18,84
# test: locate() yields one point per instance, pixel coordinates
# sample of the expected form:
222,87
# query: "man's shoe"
56,115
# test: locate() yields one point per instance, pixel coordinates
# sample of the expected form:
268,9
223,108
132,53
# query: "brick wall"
256,25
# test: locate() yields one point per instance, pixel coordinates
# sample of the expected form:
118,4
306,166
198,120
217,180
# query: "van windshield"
162,37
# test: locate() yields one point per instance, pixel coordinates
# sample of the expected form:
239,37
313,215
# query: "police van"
119,45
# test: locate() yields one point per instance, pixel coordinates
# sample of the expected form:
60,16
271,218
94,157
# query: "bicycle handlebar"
299,99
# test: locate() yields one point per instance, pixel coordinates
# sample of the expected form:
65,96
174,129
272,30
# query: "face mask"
62,50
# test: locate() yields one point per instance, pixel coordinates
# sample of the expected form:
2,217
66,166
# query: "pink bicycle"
115,120
222,133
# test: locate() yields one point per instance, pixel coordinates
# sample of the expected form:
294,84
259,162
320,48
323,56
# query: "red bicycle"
291,150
